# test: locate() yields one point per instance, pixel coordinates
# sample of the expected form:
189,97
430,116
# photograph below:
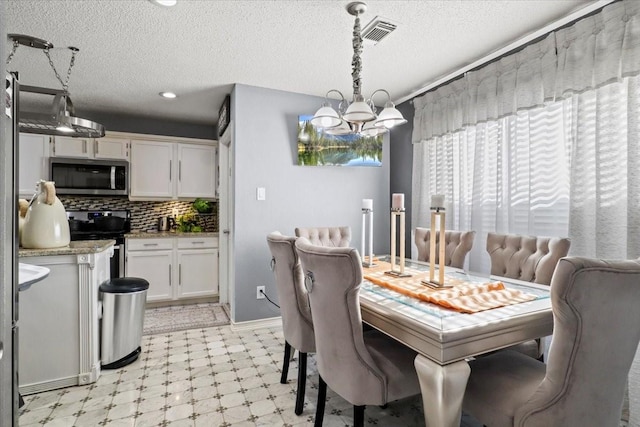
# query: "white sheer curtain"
544,142
508,175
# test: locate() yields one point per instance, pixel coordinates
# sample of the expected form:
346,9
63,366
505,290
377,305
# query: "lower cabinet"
176,267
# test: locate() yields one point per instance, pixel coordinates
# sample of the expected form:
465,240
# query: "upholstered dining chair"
595,337
326,236
528,258
365,368
297,325
458,244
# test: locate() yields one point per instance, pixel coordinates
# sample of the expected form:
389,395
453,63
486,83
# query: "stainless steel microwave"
90,177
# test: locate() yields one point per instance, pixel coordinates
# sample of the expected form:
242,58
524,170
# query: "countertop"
158,234
78,247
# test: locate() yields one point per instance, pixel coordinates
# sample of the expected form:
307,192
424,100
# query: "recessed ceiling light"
169,95
166,3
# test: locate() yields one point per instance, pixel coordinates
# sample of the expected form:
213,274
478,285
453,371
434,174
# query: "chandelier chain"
356,63
13,51
65,84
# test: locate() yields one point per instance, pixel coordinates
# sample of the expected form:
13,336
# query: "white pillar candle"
364,220
367,204
437,201
397,202
371,237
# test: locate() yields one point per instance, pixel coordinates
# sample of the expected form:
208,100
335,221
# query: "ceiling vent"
378,29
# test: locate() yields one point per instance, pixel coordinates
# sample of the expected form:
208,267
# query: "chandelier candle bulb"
397,202
437,202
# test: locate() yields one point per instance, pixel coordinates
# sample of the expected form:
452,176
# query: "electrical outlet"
259,290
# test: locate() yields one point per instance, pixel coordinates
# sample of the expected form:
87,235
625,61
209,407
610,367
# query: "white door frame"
225,209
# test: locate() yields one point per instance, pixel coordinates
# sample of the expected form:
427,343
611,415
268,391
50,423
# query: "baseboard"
256,324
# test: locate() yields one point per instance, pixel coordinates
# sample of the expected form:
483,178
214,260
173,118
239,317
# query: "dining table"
446,339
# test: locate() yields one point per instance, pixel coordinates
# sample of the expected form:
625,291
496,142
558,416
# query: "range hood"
57,117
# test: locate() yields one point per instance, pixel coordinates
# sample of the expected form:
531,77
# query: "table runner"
465,297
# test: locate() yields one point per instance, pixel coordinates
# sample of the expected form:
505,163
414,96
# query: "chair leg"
358,416
322,396
285,364
302,380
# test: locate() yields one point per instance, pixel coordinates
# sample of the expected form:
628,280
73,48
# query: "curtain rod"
511,48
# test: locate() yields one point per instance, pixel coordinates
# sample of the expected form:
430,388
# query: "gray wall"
149,126
401,164
265,123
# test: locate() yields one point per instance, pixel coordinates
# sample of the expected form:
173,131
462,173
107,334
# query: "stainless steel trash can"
123,302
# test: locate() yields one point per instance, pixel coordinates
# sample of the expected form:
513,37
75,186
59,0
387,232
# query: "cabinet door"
152,170
197,273
155,267
72,147
34,162
111,148
196,171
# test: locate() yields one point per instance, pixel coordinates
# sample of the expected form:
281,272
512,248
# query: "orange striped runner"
464,296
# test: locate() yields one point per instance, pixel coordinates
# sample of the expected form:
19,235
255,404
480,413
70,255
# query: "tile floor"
205,377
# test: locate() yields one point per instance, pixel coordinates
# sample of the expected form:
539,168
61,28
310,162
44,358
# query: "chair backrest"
458,244
528,258
595,336
339,237
297,324
333,277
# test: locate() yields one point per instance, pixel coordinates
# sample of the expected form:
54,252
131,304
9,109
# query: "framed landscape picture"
315,148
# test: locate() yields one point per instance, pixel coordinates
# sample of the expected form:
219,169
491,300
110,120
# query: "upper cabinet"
163,170
34,162
101,148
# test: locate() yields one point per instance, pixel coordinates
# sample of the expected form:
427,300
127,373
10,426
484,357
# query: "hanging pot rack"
60,119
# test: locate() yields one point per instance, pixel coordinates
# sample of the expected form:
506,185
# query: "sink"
30,274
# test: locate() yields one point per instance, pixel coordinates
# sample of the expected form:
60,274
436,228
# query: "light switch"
261,193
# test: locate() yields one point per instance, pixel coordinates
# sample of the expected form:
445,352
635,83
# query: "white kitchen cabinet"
59,322
197,260
164,170
176,268
152,170
34,162
111,148
90,148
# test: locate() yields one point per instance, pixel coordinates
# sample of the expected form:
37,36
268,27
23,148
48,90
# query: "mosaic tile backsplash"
144,215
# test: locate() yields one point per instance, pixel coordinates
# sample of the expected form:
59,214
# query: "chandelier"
358,116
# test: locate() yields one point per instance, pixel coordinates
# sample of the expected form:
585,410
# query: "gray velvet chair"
458,244
297,325
365,368
596,334
326,236
528,258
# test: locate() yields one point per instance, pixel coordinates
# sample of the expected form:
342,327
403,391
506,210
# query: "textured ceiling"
132,49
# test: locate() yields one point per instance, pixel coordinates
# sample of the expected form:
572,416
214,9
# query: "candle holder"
367,213
439,214
395,213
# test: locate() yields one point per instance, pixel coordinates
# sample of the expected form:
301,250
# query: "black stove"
96,225
103,225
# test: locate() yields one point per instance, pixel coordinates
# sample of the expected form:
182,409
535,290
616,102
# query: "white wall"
265,144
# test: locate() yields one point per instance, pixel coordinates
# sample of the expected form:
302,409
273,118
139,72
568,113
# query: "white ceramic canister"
46,225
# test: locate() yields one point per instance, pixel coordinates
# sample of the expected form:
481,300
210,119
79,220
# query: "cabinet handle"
180,274
96,147
179,170
197,243
149,244
169,274
84,146
169,170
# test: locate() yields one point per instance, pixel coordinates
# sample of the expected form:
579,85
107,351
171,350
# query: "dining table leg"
442,388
